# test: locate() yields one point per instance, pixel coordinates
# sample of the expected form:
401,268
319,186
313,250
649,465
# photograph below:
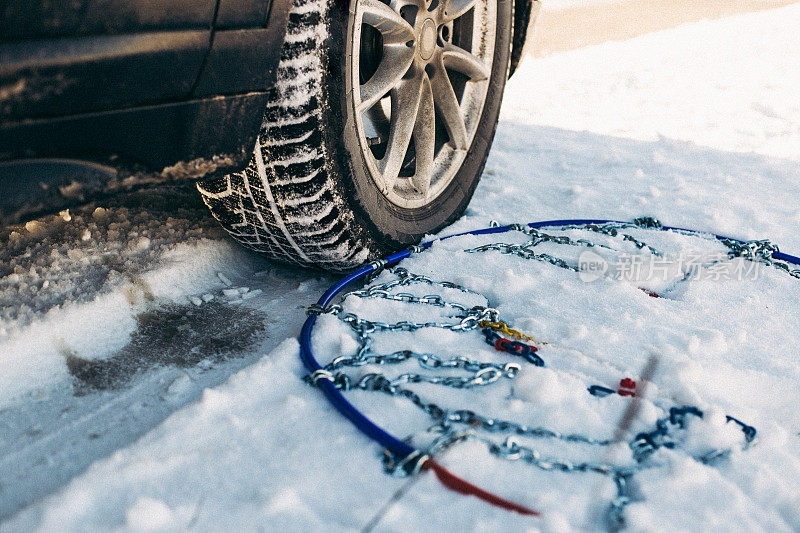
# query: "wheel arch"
525,13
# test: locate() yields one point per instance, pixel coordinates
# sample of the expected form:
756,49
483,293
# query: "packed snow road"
122,313
114,316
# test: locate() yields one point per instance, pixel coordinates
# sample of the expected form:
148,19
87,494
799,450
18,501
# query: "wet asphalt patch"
171,335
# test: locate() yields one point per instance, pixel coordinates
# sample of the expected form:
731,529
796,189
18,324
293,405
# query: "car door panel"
36,19
60,58
75,75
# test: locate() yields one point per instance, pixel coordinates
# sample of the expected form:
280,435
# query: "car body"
151,82
140,84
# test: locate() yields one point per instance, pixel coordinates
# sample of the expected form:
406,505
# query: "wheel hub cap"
427,39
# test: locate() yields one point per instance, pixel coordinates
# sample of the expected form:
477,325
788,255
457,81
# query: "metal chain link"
759,251
523,251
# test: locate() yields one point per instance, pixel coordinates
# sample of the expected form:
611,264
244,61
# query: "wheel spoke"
448,106
405,102
387,21
458,59
455,8
398,4
424,139
395,63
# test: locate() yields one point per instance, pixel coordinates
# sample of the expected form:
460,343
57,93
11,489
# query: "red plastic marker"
627,387
453,482
650,293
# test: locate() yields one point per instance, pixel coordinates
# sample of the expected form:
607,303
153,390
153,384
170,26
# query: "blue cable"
341,404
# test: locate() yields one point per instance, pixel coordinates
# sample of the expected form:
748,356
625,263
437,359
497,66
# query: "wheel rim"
420,75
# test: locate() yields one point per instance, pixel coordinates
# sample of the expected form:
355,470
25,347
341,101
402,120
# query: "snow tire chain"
644,445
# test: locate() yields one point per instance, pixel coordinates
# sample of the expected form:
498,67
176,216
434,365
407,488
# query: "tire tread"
288,206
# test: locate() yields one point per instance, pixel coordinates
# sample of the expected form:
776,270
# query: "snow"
555,5
699,135
656,90
558,5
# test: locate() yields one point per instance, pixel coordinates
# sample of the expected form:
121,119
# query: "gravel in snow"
697,126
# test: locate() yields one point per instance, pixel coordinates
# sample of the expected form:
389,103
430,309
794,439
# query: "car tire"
324,187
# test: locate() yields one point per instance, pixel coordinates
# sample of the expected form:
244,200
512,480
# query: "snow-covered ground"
572,4
556,5
103,337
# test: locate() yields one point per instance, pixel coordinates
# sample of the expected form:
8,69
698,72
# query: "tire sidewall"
391,225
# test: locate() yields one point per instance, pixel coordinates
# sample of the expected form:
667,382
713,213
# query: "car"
323,133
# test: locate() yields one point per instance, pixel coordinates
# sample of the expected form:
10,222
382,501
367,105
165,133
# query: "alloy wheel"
420,72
